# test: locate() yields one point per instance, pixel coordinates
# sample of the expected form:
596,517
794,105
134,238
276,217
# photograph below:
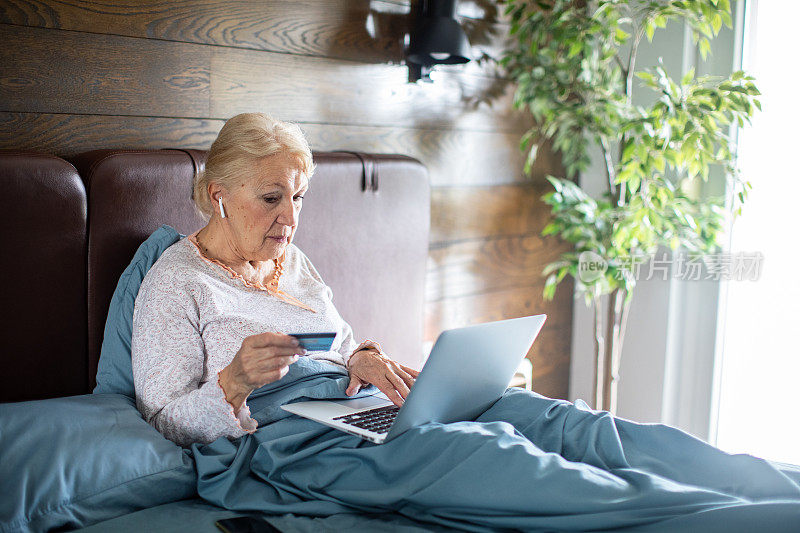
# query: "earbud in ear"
221,209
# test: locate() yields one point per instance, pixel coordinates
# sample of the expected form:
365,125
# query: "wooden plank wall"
154,73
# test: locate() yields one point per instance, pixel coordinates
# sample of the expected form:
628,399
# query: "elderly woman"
209,317
210,342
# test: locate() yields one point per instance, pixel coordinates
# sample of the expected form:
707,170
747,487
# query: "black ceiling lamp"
437,39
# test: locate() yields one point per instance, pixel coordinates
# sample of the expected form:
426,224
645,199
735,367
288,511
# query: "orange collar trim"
272,284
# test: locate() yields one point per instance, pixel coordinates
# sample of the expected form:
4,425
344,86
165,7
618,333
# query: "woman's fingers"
263,340
398,384
274,363
405,376
266,359
414,373
391,378
354,386
404,373
407,379
262,359
389,390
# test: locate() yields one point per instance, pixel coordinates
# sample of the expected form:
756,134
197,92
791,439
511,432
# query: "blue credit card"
315,342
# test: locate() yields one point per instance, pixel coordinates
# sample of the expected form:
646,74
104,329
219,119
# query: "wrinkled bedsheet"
197,516
527,463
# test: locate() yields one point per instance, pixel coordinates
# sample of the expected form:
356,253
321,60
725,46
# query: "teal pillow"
71,462
114,370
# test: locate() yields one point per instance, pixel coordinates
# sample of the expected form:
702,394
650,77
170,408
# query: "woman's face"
264,206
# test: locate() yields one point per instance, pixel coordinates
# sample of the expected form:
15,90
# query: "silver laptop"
467,371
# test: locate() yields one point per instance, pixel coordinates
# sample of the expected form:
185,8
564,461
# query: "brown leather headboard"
43,265
364,225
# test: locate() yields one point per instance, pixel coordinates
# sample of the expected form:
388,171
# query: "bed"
68,236
78,236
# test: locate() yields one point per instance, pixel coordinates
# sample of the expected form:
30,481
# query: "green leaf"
716,23
688,77
556,183
531,158
552,267
550,228
523,143
660,163
646,76
549,287
705,47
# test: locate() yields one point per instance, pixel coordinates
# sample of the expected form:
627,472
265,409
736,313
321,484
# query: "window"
760,362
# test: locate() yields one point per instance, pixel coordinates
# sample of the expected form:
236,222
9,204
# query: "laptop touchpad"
376,400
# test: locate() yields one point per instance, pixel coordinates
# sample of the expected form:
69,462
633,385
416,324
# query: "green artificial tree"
574,64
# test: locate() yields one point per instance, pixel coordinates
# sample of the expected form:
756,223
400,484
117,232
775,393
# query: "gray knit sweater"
189,321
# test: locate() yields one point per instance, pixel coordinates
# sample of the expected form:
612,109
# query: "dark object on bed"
246,524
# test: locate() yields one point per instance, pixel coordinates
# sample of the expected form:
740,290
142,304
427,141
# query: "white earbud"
221,209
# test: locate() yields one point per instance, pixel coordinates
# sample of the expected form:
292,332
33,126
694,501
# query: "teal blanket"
528,463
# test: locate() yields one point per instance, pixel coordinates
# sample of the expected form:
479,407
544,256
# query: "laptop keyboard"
378,420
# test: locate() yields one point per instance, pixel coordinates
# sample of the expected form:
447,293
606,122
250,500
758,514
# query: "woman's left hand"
368,367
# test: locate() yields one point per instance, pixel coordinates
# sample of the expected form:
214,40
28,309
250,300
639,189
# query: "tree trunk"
599,349
613,350
608,347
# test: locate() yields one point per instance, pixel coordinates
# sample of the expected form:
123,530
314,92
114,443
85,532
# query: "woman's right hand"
262,359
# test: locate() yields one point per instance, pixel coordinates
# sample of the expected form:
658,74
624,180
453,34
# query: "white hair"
242,141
